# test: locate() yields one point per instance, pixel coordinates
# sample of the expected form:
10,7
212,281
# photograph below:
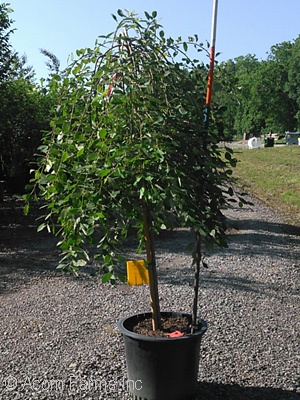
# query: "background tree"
24,113
225,95
287,57
24,110
7,56
53,62
260,96
282,103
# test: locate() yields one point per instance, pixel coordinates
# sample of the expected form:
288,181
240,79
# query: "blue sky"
63,26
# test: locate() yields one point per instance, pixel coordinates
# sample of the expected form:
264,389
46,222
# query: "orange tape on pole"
210,76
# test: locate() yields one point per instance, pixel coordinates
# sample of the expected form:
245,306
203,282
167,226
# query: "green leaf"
41,227
79,263
228,156
142,192
104,172
64,156
80,152
102,133
26,209
43,149
122,277
107,259
106,277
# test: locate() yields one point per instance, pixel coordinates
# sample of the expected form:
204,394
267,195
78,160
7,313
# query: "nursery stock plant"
128,151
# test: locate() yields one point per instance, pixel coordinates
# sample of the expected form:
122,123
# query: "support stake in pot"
151,263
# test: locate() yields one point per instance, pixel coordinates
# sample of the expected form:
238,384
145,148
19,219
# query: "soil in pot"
168,325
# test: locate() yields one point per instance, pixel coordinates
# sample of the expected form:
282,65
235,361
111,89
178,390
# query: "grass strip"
273,175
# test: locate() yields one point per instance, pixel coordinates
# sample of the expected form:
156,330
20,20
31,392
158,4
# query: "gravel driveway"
59,337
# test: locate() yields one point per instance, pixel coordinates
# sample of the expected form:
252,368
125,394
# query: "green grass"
272,175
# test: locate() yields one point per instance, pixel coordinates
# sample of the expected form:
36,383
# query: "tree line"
25,110
249,95
259,96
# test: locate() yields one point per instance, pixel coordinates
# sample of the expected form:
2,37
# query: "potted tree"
129,152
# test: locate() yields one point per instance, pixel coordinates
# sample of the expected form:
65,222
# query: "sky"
63,26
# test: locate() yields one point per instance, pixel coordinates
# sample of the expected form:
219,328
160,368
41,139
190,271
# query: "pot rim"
147,314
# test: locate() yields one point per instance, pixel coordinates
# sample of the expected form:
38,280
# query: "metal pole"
206,122
211,62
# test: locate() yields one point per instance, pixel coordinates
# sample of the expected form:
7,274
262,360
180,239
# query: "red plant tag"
175,334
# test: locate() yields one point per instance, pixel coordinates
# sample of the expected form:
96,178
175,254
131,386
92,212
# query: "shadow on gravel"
248,285
271,227
215,391
24,252
263,238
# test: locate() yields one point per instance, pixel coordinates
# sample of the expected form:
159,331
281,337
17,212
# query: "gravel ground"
59,337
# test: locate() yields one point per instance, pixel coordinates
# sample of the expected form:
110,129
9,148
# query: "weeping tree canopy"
128,135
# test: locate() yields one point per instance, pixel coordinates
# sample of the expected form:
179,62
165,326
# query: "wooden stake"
151,263
196,280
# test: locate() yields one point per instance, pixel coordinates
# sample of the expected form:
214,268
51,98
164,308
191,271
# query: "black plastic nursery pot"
161,368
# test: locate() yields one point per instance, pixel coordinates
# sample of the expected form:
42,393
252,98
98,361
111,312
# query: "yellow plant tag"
137,273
